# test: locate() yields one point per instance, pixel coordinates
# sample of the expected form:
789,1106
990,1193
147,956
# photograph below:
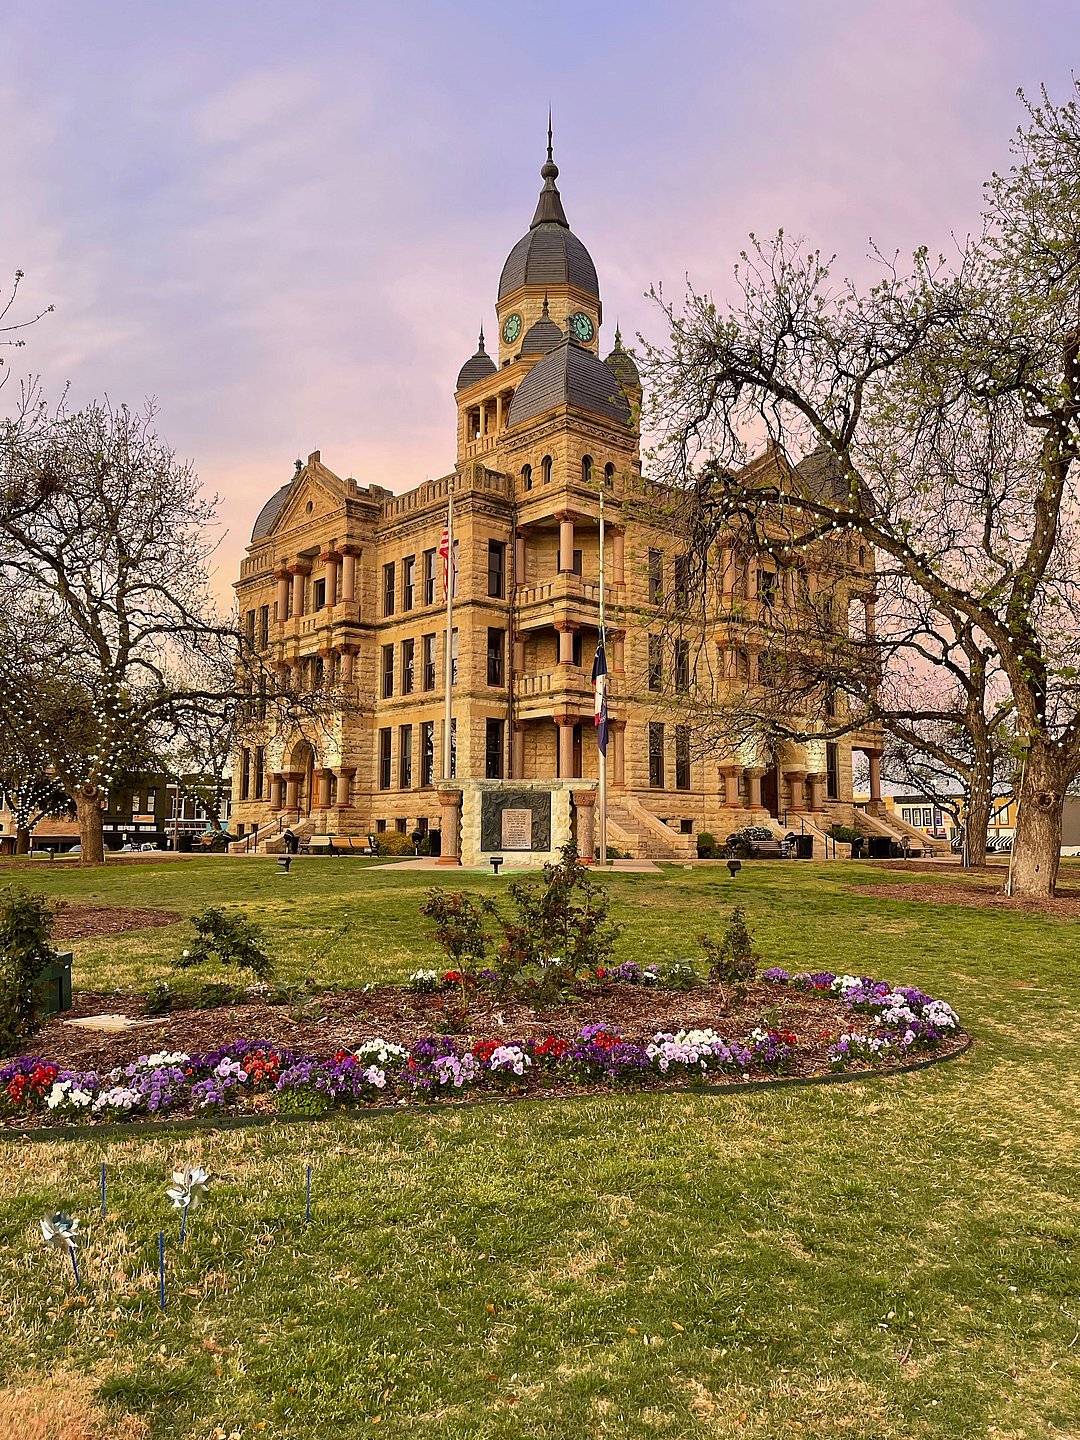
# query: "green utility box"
54,984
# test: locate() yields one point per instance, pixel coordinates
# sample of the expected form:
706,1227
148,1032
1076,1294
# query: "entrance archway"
770,790
303,764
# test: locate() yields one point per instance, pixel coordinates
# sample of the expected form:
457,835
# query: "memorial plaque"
517,829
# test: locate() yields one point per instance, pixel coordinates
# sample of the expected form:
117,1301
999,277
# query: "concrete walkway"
427,862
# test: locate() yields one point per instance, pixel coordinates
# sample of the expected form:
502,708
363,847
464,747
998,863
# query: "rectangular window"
427,661
400,823
832,770
260,771
656,661
575,567
496,569
245,774
249,626
453,656
318,594
385,744
380,827
427,753
766,587
264,626
682,757
405,757
905,814
656,755
496,649
408,651
388,573
682,666
576,649
408,582
493,749
656,577
387,671
682,579
429,577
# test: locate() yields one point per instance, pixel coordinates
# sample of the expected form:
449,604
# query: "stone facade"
342,584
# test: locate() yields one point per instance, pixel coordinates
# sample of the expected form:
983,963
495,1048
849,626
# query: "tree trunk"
22,840
977,816
1037,845
91,827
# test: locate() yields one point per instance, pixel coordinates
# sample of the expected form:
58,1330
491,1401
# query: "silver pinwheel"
60,1231
189,1189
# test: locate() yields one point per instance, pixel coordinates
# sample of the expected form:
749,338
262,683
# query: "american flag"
600,685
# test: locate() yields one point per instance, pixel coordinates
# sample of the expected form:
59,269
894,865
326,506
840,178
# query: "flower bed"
873,1024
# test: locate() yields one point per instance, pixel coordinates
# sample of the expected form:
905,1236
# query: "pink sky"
287,222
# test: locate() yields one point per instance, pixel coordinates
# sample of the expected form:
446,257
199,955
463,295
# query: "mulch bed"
1063,906
343,1019
80,922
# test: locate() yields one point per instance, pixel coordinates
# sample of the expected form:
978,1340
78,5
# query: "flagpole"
603,752
448,665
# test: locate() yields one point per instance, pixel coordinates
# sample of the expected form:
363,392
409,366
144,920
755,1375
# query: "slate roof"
549,255
270,511
823,476
478,367
541,336
621,363
569,375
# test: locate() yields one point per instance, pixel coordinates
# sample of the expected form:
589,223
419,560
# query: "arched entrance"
303,766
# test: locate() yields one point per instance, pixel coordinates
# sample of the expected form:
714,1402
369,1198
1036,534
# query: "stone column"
618,752
519,655
870,622
349,553
299,570
348,658
292,789
450,800
797,782
727,582
753,775
617,639
567,629
816,782
331,559
322,788
566,540
281,575
585,803
276,798
729,775
517,751
519,556
344,775
618,555
874,756
566,725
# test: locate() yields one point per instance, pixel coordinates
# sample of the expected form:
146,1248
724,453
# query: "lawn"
888,1259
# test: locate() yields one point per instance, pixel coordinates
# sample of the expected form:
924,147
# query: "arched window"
609,474
586,469
545,469
526,477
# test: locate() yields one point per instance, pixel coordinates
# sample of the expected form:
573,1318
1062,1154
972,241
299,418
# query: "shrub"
708,848
731,958
560,930
25,922
392,842
679,974
844,834
231,939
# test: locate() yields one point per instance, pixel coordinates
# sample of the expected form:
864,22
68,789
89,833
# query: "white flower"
509,1057
164,1058
374,1076
64,1094
381,1052
118,1097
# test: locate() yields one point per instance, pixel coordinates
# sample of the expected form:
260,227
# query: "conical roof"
621,363
478,367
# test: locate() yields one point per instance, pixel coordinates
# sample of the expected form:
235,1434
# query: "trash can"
880,847
804,847
857,848
183,844
54,984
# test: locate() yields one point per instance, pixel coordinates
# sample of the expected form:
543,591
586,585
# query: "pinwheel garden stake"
61,1232
190,1188
307,1207
161,1268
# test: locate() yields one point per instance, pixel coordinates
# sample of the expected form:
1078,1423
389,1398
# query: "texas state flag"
600,684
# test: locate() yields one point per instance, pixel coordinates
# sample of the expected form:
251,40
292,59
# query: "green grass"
885,1260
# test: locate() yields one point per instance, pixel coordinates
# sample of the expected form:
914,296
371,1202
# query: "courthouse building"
342,586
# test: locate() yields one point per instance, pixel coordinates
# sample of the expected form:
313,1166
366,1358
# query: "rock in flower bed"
870,1023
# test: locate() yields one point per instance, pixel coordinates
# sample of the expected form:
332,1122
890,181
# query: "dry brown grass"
62,1407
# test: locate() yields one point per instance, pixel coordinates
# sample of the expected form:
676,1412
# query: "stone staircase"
878,823
644,834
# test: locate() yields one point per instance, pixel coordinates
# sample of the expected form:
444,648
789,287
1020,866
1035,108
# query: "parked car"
756,842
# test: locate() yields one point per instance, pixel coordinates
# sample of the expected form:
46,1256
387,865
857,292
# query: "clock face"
511,328
581,327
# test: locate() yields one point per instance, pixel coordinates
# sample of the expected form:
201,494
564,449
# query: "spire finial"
550,161
544,312
618,336
481,337
299,465
549,208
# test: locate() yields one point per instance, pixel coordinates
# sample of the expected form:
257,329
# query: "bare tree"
947,398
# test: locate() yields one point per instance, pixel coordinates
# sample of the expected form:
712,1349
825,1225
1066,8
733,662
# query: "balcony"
537,693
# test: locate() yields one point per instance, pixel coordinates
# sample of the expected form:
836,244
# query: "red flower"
551,1045
600,972
484,1049
453,977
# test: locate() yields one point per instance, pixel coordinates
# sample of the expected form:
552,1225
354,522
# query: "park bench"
322,845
